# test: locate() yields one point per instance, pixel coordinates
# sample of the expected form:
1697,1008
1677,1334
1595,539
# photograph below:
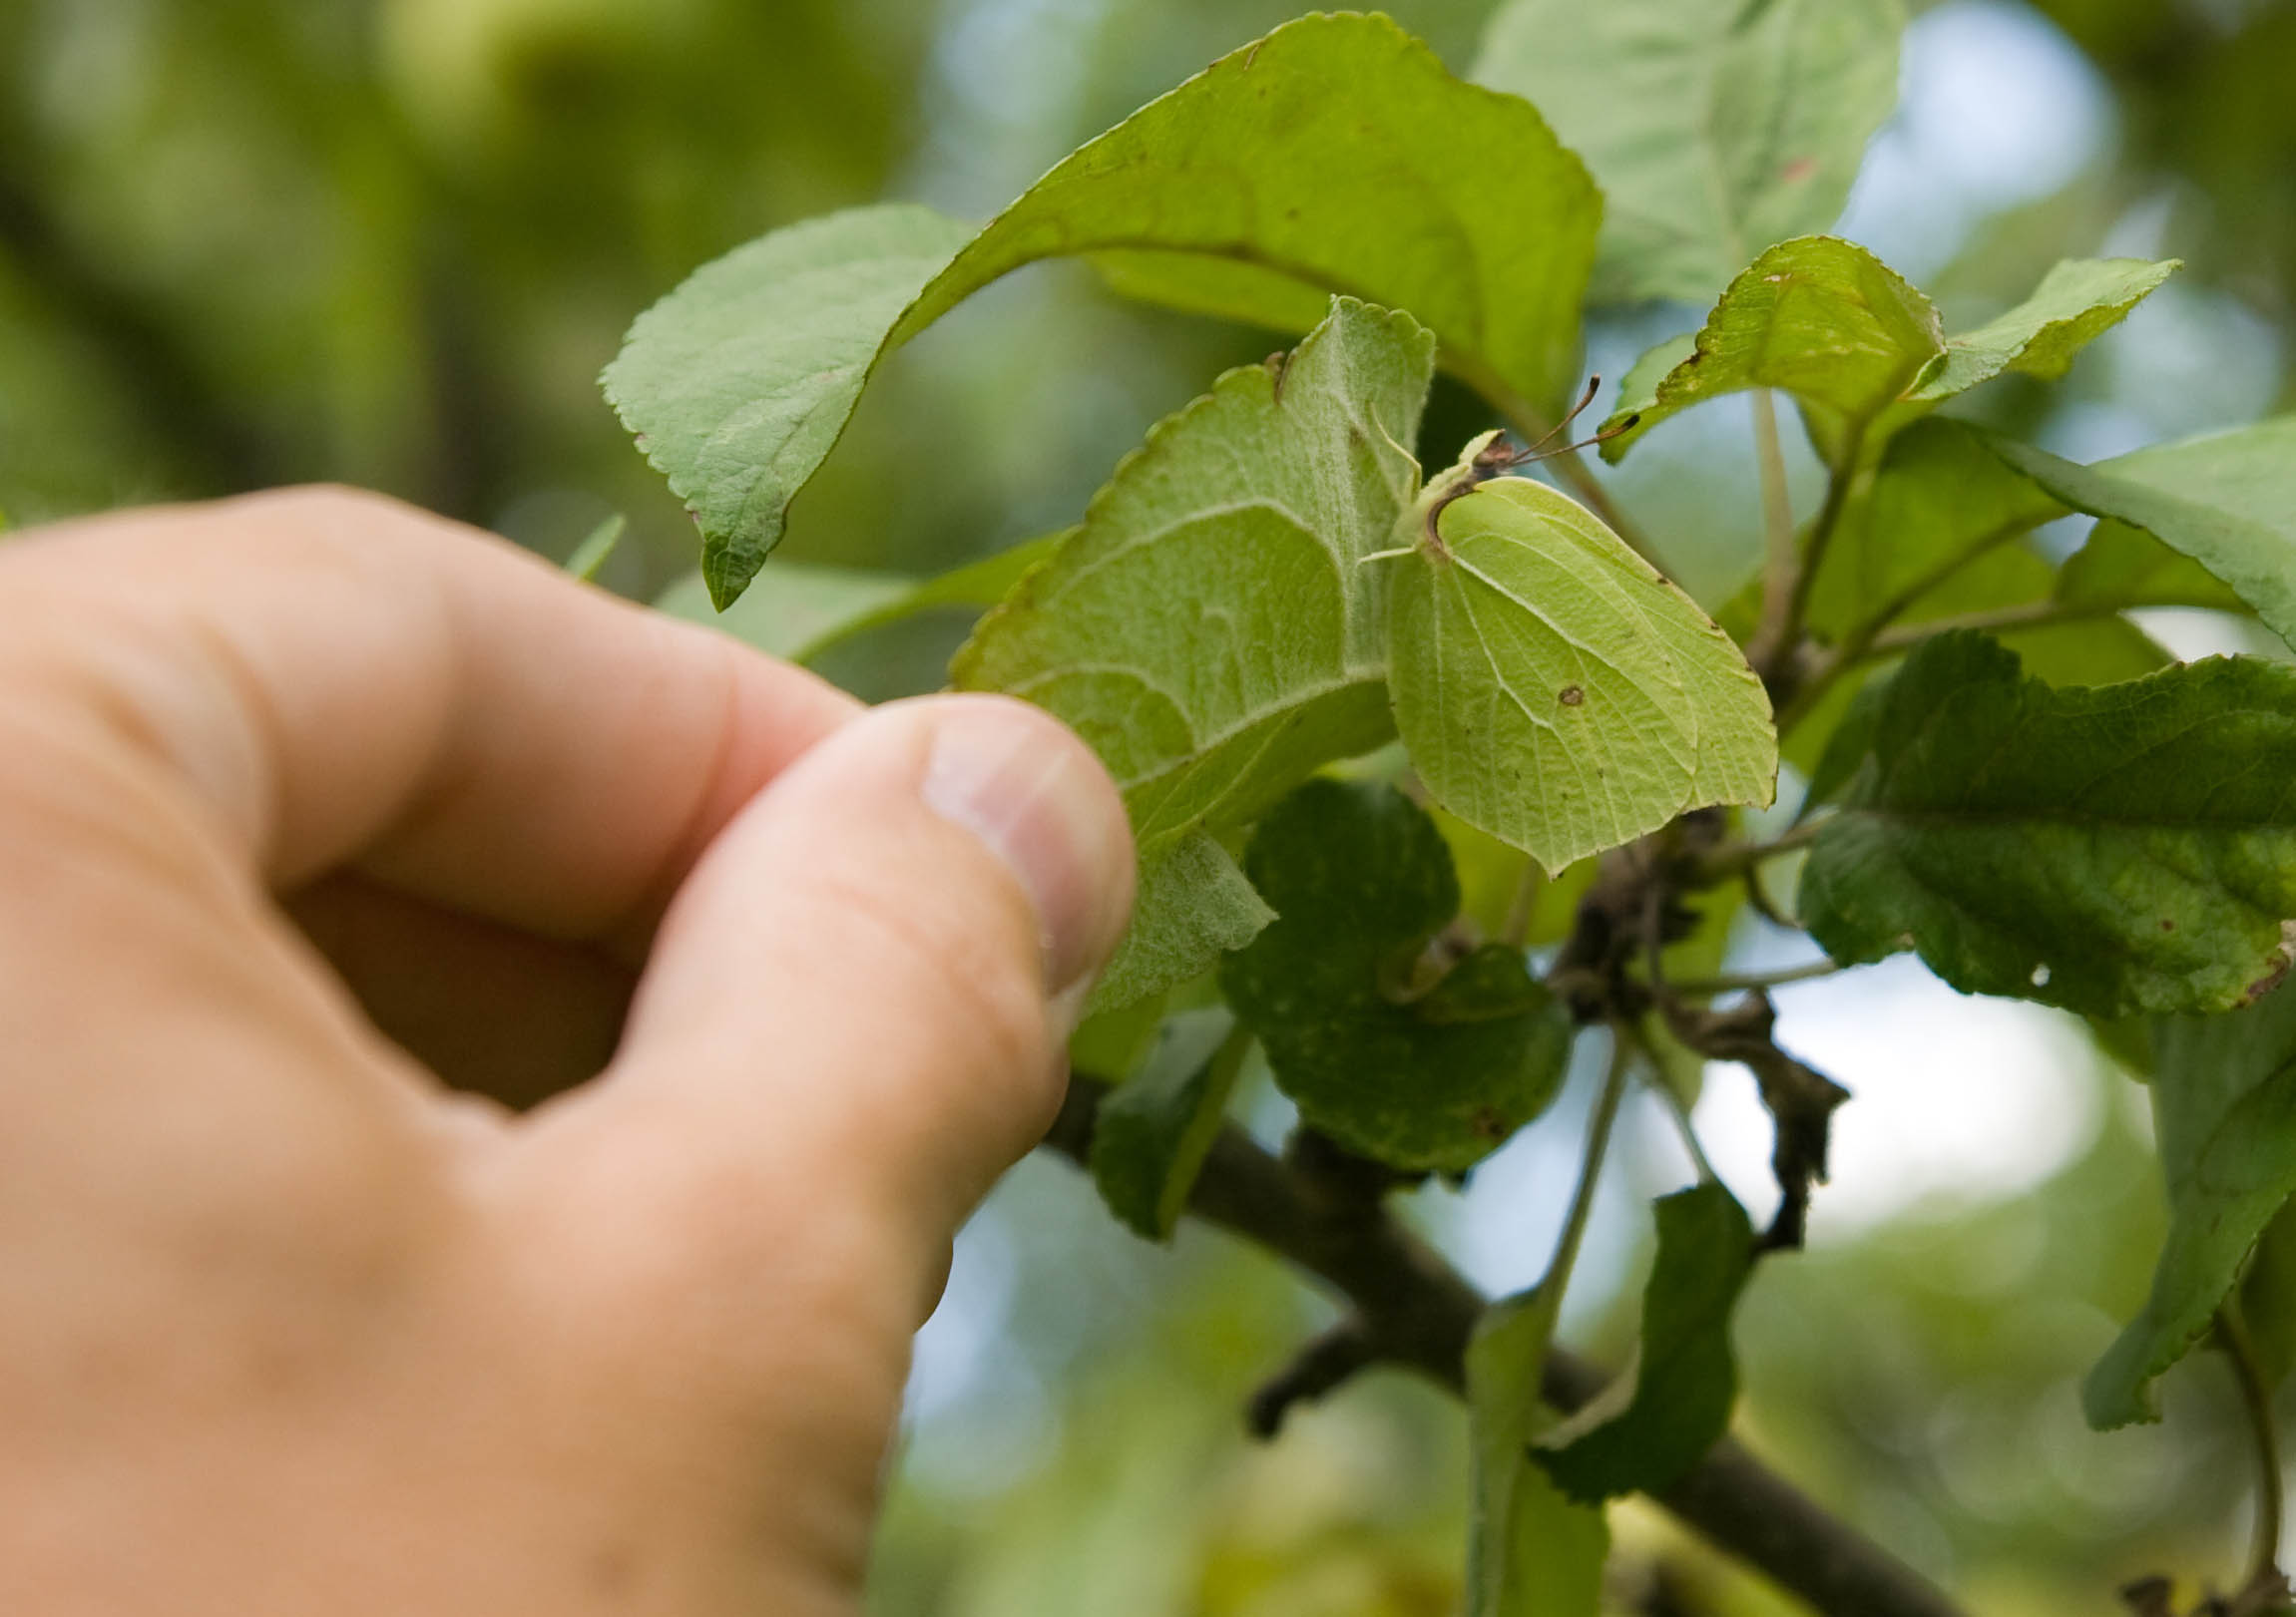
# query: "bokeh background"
391,242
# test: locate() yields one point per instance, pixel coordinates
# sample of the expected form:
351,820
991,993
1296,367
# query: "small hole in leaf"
2040,976
1571,696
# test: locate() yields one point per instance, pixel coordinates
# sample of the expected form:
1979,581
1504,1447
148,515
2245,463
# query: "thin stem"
2028,614
1780,557
1890,643
1862,634
1524,906
1677,1108
2256,1396
1590,1166
1779,641
1758,896
1734,981
1724,863
1857,643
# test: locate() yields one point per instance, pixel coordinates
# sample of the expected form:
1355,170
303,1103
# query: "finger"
487,1008
332,677
864,987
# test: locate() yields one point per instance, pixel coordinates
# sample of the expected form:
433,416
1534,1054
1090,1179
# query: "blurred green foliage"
391,242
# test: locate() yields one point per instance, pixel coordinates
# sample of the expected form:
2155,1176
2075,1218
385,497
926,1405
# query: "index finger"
332,678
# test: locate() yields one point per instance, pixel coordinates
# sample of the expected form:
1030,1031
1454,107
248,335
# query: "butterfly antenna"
1498,459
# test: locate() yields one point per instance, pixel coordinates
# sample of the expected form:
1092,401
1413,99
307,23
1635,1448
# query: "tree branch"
1319,1368
1717,864
1705,987
1416,1310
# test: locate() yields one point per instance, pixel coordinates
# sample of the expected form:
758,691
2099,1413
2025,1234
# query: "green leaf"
596,549
1687,1381
2223,1092
1937,532
878,634
1817,317
969,589
2078,300
1337,154
2268,1297
805,602
1638,388
739,383
1941,497
1193,905
1327,156
1417,1070
1112,1044
1553,689
2227,501
1700,954
2119,567
1714,126
1209,628
1153,1132
1531,1551
1848,744
1860,351
2127,847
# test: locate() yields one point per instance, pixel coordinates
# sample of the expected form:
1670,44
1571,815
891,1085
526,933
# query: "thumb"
864,987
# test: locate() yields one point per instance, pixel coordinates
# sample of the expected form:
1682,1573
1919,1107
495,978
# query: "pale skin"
488,1075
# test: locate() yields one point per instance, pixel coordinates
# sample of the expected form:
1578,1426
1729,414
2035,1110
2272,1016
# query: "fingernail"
1035,795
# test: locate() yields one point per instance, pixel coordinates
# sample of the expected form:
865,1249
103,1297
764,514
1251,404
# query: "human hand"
287,1325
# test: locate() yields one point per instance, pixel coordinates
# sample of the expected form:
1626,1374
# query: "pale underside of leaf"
1555,691
2077,301
2227,501
1191,905
1209,629
1716,130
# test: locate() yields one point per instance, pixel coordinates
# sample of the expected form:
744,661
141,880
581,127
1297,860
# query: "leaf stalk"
1726,862
2256,1399
1779,547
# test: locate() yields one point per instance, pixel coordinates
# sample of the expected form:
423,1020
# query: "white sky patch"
1996,108
1952,1096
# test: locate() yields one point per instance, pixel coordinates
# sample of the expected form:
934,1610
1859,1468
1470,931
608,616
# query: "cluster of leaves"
1271,586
